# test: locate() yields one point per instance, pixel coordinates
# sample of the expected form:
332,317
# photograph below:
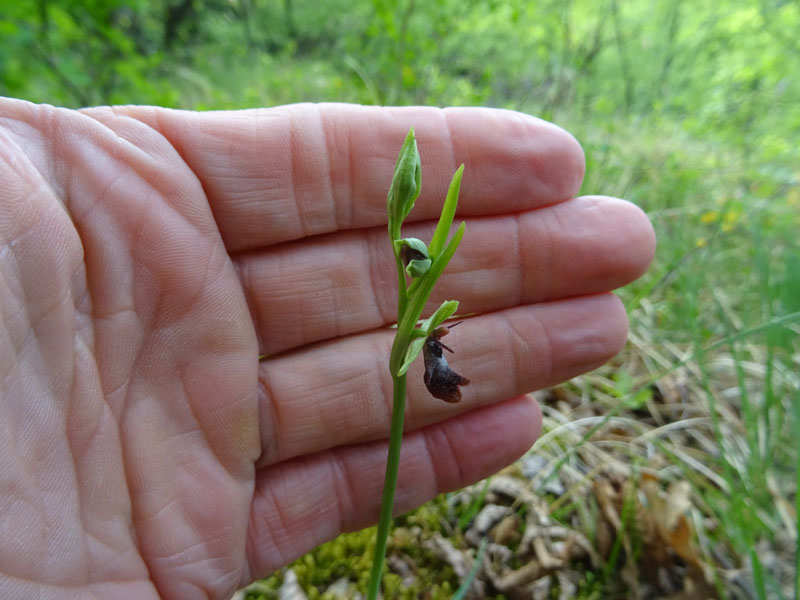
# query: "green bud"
414,254
405,183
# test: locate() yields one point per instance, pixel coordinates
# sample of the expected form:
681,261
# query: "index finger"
278,174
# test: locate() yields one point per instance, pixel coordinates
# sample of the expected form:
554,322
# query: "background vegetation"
691,110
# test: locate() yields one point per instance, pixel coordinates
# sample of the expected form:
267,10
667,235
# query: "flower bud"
406,181
414,254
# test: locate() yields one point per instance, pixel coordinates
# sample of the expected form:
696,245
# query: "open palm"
148,257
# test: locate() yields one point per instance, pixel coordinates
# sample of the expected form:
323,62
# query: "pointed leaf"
448,213
444,312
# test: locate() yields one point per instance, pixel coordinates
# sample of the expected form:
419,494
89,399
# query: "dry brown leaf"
675,532
611,493
507,531
668,512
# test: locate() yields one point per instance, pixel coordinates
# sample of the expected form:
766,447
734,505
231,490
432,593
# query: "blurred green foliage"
722,67
716,72
648,86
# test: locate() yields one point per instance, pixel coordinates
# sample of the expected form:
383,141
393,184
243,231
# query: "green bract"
444,312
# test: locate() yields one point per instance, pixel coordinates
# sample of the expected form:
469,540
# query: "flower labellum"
442,382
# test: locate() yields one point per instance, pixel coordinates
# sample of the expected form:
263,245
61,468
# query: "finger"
286,173
346,283
304,502
339,392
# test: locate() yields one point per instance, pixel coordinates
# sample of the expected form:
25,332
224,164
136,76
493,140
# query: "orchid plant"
419,266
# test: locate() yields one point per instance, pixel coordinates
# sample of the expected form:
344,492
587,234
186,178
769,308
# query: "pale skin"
148,257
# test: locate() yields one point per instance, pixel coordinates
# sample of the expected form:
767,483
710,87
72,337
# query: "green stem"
402,296
389,485
401,340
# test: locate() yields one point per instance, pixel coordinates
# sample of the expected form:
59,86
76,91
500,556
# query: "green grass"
719,309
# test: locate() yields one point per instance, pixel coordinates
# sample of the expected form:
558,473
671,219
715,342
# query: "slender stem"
401,341
402,296
389,485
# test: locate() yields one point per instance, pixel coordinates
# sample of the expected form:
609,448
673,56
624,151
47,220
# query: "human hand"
148,257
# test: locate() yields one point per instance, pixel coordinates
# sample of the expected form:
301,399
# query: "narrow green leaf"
444,312
448,213
414,348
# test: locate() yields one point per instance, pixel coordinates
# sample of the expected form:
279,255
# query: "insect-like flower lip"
442,382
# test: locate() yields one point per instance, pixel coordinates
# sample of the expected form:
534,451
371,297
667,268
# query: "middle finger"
345,283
